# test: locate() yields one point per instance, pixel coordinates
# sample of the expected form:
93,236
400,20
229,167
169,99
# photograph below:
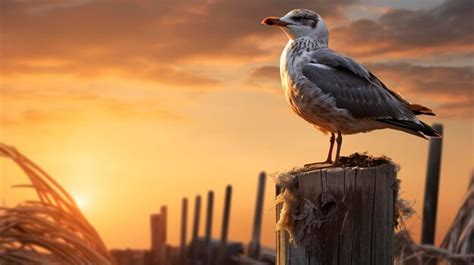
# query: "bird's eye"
298,18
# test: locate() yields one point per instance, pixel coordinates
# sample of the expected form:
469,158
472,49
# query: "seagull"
335,93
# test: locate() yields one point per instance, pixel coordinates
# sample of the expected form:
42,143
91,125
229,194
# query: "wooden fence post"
197,217
158,237
208,232
155,222
254,245
164,230
430,205
341,216
182,242
222,255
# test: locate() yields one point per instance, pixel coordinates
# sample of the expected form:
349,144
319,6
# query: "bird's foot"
320,165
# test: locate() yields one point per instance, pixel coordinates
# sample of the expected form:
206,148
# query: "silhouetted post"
164,230
431,188
155,222
208,232
158,237
197,217
182,242
254,245
222,255
343,216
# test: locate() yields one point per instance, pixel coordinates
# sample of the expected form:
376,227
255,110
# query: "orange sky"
131,105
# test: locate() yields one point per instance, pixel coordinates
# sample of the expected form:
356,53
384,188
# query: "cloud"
458,109
187,44
266,72
399,33
152,40
84,109
448,88
266,77
167,75
436,80
68,101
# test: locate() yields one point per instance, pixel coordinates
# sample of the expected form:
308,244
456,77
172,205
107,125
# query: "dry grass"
460,236
456,248
407,252
49,230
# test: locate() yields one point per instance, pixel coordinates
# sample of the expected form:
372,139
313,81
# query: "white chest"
293,58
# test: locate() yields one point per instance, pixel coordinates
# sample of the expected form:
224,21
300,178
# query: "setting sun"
81,201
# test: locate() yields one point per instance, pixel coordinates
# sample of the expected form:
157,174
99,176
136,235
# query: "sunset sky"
131,105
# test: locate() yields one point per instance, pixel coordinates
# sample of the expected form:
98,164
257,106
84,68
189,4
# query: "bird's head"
301,23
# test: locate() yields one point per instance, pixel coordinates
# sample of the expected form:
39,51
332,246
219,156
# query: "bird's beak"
274,21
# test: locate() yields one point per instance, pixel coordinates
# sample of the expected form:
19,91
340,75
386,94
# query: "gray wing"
355,88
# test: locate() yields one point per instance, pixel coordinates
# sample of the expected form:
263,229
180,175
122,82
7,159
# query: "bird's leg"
339,144
329,158
331,147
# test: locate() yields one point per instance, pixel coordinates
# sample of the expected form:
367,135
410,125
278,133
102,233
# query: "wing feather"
361,98
355,88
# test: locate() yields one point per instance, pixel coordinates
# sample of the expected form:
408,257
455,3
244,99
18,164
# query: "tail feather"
429,131
419,129
419,109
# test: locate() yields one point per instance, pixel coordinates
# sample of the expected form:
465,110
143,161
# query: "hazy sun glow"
81,201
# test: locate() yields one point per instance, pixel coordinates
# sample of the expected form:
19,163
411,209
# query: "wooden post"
155,222
208,232
184,222
431,188
254,245
158,237
197,217
164,230
347,215
222,255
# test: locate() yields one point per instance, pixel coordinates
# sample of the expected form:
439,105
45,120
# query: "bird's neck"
298,46
296,51
313,42
294,56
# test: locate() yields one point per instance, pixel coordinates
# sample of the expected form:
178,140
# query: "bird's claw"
320,165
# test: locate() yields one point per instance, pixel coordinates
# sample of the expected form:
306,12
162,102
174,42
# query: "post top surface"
355,160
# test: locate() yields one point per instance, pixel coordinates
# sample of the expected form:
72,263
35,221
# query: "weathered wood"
352,212
254,245
208,232
197,217
184,222
431,188
158,238
222,254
